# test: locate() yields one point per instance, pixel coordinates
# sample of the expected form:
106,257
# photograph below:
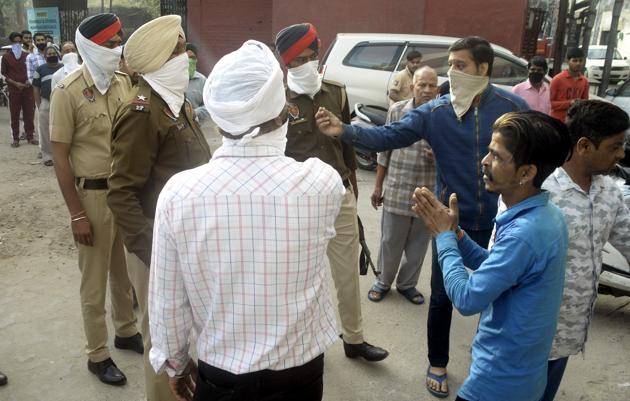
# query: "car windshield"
600,54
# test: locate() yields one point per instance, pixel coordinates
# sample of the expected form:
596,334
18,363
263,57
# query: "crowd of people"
232,253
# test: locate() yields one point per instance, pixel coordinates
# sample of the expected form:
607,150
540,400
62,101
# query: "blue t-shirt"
517,287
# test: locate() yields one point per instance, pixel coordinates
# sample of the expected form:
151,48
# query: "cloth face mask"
464,89
171,82
305,79
100,61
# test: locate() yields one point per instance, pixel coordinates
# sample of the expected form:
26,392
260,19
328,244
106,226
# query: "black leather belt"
88,183
346,183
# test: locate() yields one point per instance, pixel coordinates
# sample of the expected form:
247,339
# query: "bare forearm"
65,178
381,172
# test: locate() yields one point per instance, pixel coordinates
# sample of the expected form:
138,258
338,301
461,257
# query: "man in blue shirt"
517,286
458,128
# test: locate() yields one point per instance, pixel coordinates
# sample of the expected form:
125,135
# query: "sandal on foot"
438,378
48,163
376,294
15,144
413,295
33,141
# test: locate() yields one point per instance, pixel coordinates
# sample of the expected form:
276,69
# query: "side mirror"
612,92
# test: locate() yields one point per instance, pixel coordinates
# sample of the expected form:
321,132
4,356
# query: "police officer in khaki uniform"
400,87
154,137
298,47
81,111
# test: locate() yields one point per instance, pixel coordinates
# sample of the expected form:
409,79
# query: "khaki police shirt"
304,140
402,83
149,146
82,117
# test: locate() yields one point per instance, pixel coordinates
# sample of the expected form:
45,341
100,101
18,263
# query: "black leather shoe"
133,343
369,352
107,372
3,379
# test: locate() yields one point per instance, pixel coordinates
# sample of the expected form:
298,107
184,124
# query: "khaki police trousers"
343,254
96,263
156,386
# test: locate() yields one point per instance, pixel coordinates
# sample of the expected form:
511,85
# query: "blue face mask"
16,48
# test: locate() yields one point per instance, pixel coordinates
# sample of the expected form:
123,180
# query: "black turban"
100,27
293,40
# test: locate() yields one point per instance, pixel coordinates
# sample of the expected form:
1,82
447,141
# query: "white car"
367,62
619,71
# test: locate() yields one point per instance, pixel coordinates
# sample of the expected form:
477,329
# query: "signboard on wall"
45,20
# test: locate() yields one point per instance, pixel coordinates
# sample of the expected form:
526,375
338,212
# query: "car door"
366,70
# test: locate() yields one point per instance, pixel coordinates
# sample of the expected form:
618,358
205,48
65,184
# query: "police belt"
89,183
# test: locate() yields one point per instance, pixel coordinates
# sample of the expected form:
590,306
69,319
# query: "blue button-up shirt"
517,288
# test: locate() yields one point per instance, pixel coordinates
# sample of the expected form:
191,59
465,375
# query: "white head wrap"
100,61
245,89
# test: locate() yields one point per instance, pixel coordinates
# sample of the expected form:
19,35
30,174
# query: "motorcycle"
367,117
615,277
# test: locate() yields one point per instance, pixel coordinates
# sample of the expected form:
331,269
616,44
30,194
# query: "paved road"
41,334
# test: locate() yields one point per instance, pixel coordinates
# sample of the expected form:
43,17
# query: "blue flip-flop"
438,378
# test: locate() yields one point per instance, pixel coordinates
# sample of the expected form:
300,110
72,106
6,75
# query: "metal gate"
71,13
177,7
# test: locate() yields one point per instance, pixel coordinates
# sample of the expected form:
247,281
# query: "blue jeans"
555,371
441,308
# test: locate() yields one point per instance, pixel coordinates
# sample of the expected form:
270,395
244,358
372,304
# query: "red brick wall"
336,16
220,26
499,21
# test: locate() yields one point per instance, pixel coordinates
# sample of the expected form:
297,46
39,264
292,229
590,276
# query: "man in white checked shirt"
239,251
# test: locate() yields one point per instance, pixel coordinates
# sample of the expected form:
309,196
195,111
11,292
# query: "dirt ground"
41,333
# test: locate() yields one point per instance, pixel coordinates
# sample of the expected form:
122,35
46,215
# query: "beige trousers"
343,254
43,116
156,386
96,263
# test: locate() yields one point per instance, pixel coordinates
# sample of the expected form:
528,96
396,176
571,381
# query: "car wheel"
366,162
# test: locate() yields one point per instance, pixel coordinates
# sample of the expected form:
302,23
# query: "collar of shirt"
529,86
533,201
565,182
324,88
249,150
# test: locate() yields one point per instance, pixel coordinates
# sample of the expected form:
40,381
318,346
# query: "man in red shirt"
568,85
13,67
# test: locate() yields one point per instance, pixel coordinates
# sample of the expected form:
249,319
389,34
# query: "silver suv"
366,62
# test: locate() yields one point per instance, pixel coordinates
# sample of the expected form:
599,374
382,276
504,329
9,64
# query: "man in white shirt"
239,251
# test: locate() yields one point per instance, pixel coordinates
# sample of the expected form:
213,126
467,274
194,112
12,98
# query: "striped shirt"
239,256
407,168
33,61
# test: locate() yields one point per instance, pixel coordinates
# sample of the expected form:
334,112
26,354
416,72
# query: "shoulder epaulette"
335,83
140,103
69,79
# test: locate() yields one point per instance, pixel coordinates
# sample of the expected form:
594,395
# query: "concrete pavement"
41,334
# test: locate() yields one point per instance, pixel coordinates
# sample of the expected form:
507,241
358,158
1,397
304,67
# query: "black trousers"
460,399
441,308
303,383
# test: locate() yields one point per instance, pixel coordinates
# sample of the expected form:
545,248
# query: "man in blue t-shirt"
42,89
458,127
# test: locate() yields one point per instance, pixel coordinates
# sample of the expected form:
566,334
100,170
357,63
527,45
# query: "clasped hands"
437,217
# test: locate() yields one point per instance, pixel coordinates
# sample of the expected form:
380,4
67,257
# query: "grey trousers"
404,242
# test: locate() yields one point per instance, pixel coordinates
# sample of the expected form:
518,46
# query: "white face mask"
305,79
100,61
70,62
464,89
171,81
